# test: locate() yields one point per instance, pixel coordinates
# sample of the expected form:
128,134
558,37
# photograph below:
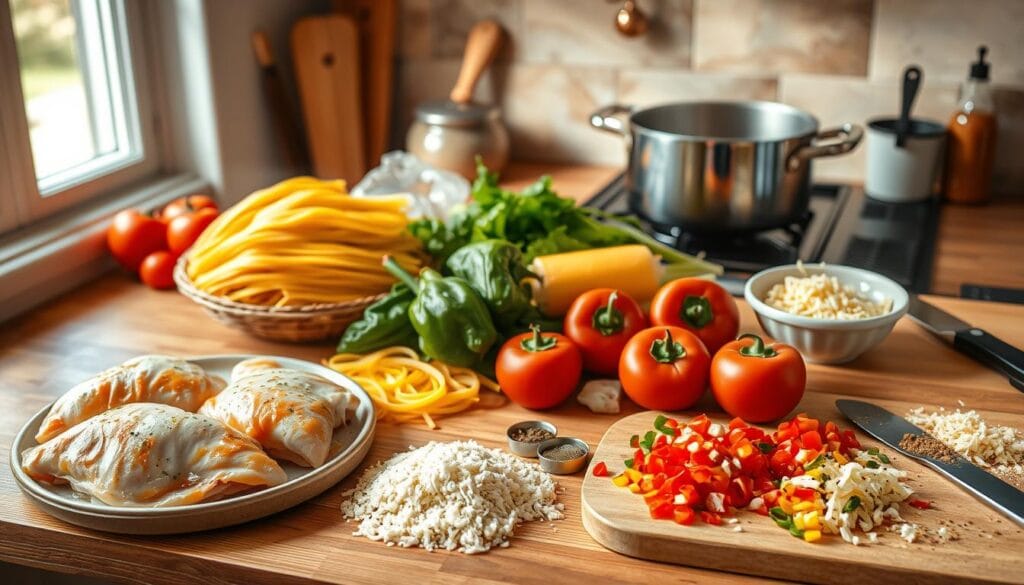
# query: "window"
74,114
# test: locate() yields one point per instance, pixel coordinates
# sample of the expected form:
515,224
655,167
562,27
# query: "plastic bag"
432,192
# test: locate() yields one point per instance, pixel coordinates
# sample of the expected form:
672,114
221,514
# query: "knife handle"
993,352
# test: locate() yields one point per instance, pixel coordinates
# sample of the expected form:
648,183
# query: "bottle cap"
979,69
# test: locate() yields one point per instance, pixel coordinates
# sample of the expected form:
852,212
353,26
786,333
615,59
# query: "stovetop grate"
842,226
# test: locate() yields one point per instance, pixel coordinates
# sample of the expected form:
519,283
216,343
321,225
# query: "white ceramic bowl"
827,341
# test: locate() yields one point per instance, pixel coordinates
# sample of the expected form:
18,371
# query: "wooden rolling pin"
481,47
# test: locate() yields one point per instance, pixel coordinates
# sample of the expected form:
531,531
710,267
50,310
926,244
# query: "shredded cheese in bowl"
821,296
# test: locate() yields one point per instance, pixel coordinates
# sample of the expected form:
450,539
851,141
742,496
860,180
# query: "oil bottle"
972,138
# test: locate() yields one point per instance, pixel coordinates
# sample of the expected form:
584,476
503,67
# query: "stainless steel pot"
722,166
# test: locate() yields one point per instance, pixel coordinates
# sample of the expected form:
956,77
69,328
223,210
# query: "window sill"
47,259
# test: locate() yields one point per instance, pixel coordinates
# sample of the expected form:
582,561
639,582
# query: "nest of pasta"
297,261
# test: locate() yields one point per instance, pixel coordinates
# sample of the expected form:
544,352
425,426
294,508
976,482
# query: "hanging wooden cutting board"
325,51
988,550
376,20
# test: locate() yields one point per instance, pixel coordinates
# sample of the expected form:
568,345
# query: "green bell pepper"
494,268
385,323
450,317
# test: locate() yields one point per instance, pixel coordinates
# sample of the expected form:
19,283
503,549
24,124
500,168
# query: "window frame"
64,190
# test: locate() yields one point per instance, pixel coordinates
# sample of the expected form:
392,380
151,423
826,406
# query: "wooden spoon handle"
482,45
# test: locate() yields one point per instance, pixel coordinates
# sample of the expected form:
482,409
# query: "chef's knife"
977,343
890,429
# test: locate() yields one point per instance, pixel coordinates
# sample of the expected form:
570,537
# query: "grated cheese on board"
989,446
454,496
879,490
823,297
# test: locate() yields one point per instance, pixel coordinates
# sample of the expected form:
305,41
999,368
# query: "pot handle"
823,145
609,119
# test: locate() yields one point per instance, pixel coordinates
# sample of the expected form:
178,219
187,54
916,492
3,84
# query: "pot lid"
449,113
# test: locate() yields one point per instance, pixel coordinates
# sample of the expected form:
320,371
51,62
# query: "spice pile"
531,435
996,448
928,446
809,476
453,496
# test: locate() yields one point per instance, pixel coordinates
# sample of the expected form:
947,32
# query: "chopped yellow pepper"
839,457
803,506
812,535
811,521
621,480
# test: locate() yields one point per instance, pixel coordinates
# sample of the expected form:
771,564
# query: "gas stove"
841,226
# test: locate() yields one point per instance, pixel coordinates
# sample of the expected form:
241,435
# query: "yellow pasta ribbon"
303,241
405,388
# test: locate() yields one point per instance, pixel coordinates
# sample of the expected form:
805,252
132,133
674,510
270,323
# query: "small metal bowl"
525,448
566,466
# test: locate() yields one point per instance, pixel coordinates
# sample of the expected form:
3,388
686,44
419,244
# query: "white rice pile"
454,496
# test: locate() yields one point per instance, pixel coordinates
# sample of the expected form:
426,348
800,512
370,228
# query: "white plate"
303,483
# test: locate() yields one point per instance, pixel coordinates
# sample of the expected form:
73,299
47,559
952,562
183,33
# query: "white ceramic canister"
908,173
450,136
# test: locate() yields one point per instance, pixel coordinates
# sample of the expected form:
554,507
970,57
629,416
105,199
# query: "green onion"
871,465
765,447
852,504
796,532
816,462
884,458
648,442
659,423
778,513
873,451
629,463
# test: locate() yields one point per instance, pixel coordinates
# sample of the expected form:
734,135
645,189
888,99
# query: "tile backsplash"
841,60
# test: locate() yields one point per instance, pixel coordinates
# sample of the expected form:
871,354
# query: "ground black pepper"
563,452
928,446
531,435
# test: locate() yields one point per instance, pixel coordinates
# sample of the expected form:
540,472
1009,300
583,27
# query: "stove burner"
743,252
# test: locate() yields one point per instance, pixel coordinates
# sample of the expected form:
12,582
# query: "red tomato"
600,470
157,270
538,370
184,205
132,236
600,322
758,382
699,305
184,230
664,368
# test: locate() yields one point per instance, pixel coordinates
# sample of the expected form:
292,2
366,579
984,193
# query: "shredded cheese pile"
998,447
878,490
823,297
453,496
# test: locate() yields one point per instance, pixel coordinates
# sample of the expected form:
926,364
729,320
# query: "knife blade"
972,341
890,429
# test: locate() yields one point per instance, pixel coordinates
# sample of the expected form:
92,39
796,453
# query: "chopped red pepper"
600,470
920,504
713,469
711,518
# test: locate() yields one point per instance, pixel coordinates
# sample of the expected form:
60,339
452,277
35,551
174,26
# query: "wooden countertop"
45,352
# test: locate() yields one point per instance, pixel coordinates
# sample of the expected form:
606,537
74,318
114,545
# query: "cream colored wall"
839,59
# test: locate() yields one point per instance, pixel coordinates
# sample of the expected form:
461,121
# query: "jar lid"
449,113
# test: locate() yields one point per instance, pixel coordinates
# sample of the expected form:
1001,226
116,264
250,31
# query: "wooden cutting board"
325,51
990,548
376,20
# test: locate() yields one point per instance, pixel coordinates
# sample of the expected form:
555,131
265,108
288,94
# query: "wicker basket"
295,324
